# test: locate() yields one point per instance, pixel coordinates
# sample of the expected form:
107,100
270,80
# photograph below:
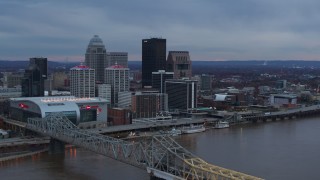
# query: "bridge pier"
56,146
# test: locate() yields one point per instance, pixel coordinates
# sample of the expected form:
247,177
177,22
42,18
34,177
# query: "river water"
288,149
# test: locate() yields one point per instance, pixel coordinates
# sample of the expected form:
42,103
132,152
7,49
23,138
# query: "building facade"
104,91
118,77
32,83
77,110
119,116
42,64
153,58
124,99
60,80
159,78
82,81
148,105
179,62
182,94
96,57
117,58
206,82
11,80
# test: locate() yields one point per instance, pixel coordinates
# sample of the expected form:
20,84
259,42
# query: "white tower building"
82,81
118,77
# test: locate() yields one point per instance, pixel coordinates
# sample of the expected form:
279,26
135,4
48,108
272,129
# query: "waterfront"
286,149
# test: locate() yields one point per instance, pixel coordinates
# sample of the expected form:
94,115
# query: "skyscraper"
153,58
32,83
82,81
42,64
179,62
206,82
96,57
118,77
159,78
182,94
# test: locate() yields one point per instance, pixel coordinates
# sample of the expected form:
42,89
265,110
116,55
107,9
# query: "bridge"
287,114
161,156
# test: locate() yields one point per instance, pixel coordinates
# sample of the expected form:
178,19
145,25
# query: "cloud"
210,30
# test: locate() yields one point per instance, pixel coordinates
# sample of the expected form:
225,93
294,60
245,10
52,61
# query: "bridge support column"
56,146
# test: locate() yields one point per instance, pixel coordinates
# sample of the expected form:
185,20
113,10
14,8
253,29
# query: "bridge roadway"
285,113
129,127
161,156
23,141
148,125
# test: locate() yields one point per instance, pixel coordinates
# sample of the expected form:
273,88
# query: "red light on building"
88,107
24,106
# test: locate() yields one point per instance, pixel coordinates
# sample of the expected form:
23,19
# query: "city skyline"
209,30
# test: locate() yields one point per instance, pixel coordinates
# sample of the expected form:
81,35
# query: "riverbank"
22,155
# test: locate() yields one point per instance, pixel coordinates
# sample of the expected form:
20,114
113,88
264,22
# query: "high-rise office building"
179,62
120,58
82,81
32,83
96,57
159,78
42,64
206,82
182,94
118,77
153,58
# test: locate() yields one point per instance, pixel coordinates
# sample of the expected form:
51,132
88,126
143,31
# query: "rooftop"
96,41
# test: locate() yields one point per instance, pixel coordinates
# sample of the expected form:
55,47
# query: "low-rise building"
78,110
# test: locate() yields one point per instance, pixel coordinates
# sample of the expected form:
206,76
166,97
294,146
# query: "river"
281,150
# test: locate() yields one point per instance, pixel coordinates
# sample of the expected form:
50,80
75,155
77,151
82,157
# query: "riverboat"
174,132
192,129
222,124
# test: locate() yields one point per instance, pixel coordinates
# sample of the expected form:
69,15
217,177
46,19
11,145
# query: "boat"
174,132
193,129
222,124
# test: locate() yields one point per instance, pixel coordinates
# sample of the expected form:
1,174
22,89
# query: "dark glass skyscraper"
159,78
182,94
42,64
153,58
32,83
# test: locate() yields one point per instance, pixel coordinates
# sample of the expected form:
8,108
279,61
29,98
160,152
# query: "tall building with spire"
96,57
153,58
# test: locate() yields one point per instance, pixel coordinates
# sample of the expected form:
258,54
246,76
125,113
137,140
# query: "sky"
210,30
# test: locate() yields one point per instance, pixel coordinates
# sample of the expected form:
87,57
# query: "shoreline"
8,158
